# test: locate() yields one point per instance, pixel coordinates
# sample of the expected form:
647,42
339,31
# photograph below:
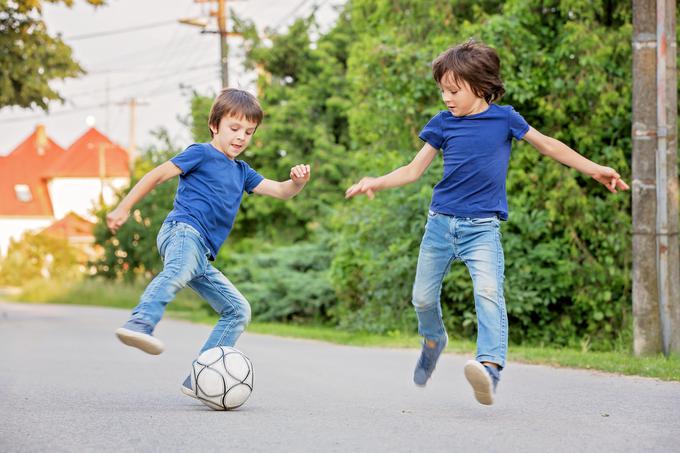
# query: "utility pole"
101,158
656,256
224,45
221,16
133,103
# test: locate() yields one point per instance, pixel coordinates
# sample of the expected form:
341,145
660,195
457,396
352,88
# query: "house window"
23,192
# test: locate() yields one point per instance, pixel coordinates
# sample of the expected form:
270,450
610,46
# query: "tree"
567,70
30,57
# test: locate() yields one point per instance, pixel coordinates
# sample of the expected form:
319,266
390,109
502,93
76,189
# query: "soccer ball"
222,378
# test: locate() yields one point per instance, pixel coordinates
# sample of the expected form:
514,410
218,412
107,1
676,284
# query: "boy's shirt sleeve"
518,125
252,179
189,159
432,132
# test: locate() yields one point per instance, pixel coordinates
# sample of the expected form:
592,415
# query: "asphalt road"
67,384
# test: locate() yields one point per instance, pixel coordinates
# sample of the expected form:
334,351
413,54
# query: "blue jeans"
477,243
185,263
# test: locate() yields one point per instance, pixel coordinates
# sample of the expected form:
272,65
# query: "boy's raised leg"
434,260
184,257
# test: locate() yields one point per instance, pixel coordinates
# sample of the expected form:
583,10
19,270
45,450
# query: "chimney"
40,139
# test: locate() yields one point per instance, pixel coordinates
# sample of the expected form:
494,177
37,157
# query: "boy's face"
233,135
459,98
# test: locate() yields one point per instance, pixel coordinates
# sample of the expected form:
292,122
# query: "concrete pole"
670,284
656,257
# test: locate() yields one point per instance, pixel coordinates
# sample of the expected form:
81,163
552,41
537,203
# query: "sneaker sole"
480,381
141,341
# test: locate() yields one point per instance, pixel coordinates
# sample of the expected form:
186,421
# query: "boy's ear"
213,128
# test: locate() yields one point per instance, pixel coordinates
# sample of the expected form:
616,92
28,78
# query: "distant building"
42,183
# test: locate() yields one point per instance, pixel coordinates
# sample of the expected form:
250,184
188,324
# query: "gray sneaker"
187,389
138,334
428,361
483,380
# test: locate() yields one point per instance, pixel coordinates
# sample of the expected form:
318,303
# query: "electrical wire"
120,30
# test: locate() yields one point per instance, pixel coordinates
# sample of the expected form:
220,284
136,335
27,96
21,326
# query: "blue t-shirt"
476,152
209,192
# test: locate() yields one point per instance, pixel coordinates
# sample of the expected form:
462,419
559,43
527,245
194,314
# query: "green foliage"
200,113
303,91
38,257
31,58
352,102
567,70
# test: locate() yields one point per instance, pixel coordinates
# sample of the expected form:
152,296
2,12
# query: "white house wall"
81,195
15,227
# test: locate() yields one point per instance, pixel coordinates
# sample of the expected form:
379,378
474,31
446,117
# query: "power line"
290,14
59,113
159,91
162,76
120,30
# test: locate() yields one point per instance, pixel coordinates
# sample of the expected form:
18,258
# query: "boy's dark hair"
237,103
475,63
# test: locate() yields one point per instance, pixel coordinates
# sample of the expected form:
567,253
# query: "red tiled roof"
82,158
26,165
38,159
72,225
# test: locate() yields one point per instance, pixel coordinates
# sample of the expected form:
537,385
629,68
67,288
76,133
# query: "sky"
140,50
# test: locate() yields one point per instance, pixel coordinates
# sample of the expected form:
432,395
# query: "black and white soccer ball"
222,378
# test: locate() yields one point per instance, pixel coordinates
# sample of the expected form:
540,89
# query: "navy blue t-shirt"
210,190
476,152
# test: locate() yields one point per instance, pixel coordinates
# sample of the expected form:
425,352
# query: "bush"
287,283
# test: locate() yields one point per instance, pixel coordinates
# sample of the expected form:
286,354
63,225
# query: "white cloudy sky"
148,64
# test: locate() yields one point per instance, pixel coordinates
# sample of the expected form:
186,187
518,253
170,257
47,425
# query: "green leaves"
31,57
351,104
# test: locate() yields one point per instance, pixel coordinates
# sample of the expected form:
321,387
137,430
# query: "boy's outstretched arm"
158,175
554,148
401,176
299,175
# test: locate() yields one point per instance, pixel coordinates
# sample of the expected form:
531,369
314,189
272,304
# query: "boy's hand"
367,185
300,174
609,178
116,218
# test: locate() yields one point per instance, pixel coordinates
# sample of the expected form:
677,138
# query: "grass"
189,307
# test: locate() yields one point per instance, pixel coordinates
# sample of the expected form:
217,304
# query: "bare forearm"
397,178
139,191
564,154
288,189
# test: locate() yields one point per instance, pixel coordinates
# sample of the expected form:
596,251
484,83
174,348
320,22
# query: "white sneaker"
145,342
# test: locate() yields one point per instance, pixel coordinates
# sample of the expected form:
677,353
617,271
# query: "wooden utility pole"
224,46
133,103
101,157
221,16
656,256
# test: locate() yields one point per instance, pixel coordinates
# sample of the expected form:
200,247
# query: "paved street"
67,384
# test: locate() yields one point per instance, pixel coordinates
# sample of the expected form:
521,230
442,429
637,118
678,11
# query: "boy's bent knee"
247,314
422,304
